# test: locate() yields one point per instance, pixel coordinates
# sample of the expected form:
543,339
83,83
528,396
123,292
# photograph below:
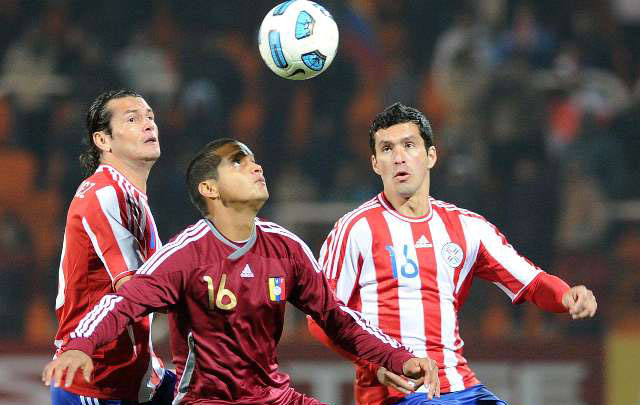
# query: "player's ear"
102,141
374,165
209,189
432,157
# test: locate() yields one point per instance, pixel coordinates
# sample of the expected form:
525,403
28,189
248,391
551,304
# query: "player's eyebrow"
238,155
411,137
135,110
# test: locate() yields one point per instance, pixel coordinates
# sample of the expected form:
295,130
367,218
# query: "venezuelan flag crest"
276,289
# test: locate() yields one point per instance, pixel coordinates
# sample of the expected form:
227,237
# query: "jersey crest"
452,254
276,289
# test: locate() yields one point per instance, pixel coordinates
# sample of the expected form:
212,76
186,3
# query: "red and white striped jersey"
410,276
109,233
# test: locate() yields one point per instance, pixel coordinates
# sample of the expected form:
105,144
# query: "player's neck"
137,172
236,226
414,206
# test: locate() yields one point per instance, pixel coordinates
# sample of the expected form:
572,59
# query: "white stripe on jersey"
504,254
373,330
127,243
410,305
275,228
61,281
472,247
193,234
96,247
189,231
448,318
92,326
349,265
85,328
342,226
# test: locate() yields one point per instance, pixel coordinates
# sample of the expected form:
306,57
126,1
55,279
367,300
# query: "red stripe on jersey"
455,231
493,271
430,302
456,234
342,236
388,303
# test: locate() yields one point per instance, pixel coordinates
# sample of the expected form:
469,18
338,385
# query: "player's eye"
409,145
386,148
131,119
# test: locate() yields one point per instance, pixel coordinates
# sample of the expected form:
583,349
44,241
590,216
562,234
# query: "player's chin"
406,190
152,155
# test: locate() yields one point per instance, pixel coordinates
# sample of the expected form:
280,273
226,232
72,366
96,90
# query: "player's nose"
399,156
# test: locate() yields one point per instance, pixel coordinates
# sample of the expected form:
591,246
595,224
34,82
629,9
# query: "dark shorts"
163,396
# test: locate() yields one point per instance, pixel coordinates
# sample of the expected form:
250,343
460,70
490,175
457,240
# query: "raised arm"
157,285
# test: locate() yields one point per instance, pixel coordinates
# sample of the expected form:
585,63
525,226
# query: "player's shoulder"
183,248
364,210
102,179
189,235
284,242
448,209
272,230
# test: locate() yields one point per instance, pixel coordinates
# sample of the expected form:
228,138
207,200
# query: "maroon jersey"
227,302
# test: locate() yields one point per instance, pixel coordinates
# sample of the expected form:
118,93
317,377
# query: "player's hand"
68,362
397,382
580,302
427,369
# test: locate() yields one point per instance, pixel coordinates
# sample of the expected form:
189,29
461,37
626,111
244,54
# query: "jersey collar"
239,249
111,168
386,204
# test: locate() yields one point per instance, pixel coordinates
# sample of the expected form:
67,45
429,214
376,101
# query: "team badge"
276,289
452,254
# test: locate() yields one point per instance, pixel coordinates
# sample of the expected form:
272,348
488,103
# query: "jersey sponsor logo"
408,266
246,272
423,242
452,254
84,187
276,289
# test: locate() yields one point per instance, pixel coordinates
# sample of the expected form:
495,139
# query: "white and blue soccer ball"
298,39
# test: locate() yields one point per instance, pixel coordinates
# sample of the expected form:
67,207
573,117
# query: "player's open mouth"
151,140
401,176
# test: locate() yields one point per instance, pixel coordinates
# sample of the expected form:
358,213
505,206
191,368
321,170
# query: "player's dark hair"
204,166
398,113
99,119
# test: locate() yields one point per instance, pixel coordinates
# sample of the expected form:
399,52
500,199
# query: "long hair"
98,119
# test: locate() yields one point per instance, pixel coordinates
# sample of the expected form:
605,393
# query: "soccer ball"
298,39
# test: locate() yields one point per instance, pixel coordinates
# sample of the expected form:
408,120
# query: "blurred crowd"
535,107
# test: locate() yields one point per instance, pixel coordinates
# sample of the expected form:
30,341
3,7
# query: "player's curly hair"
98,119
398,113
204,166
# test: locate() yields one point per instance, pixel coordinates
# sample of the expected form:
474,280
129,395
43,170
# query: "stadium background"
536,110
